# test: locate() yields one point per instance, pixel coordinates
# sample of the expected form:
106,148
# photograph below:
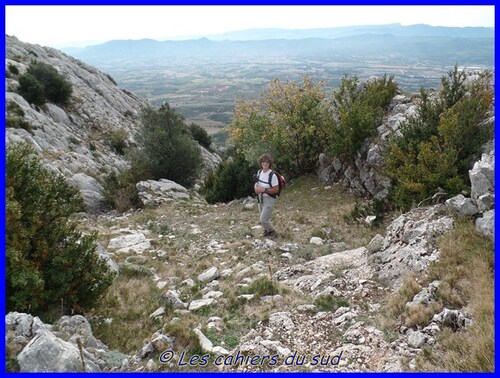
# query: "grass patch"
262,286
466,266
307,208
395,305
422,314
129,302
330,303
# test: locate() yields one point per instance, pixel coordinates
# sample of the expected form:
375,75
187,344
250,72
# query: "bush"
358,110
31,89
200,135
120,192
13,69
231,180
118,140
168,149
437,147
49,263
42,82
289,121
262,286
329,302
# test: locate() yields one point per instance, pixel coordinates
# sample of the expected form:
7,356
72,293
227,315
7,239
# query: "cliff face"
76,140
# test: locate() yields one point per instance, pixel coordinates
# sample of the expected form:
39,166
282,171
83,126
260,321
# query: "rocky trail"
309,301
221,247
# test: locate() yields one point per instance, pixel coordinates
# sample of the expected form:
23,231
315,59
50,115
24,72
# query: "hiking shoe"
272,235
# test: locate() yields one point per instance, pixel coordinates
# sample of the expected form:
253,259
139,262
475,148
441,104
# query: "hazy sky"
60,26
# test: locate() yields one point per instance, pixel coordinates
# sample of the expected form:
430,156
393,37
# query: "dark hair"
266,157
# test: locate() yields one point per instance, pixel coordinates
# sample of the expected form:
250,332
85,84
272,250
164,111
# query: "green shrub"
289,121
329,302
42,83
167,147
231,180
49,263
31,89
453,88
200,135
459,126
262,286
378,93
13,69
355,125
166,150
438,146
358,111
118,140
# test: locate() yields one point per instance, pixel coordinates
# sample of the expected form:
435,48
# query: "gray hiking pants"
266,206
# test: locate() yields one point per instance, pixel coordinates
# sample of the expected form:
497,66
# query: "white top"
264,180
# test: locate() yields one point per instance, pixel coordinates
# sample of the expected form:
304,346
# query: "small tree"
289,120
168,149
49,262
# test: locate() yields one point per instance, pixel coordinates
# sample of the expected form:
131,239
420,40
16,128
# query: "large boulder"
486,224
91,191
154,193
66,346
47,353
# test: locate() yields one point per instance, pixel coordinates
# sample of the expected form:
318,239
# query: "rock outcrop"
409,244
66,346
74,140
365,177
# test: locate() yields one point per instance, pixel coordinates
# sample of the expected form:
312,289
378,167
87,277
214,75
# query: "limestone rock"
486,224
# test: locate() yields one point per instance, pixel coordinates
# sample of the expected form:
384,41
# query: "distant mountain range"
421,30
472,45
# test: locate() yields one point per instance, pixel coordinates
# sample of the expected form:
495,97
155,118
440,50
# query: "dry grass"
129,302
396,303
466,265
307,209
422,314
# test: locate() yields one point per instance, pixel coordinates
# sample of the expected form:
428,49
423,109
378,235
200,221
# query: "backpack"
281,182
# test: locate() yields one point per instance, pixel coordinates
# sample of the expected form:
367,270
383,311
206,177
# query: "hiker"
266,194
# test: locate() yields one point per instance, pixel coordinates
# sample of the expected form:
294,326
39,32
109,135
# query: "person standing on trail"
266,187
